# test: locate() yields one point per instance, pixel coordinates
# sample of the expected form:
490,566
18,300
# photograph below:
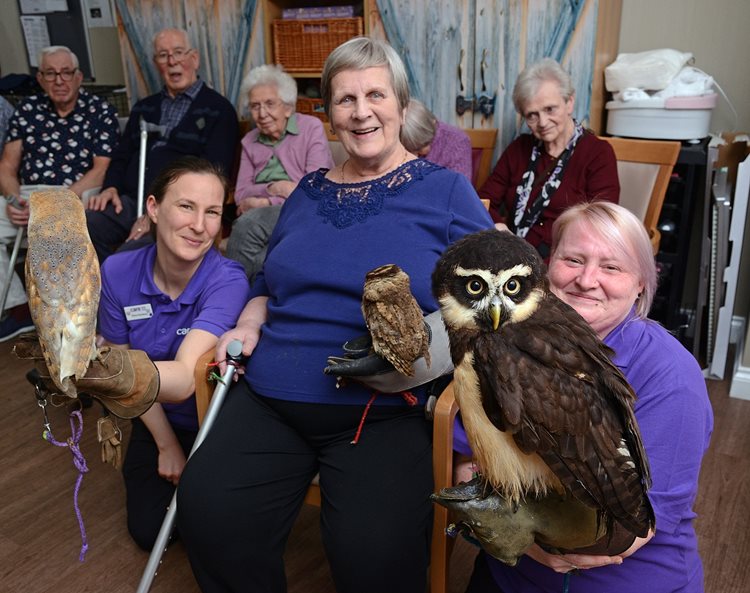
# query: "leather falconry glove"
110,438
505,531
125,381
360,363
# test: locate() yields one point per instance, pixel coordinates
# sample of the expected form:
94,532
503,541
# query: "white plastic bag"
649,70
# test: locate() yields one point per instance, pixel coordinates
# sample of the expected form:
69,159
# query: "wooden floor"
40,541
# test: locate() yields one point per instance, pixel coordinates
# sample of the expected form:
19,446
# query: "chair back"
482,148
644,168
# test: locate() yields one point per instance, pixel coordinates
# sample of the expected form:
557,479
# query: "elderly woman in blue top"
287,421
172,299
602,265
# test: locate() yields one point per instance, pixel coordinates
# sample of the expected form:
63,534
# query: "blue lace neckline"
344,204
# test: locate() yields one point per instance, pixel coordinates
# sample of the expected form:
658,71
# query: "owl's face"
487,280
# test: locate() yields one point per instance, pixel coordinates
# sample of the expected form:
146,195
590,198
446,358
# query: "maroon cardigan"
591,174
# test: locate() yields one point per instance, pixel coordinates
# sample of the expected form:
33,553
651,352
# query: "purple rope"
76,430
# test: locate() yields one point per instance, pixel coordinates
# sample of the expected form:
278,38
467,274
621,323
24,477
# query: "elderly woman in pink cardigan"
283,147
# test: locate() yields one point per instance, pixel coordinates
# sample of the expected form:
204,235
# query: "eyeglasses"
270,105
65,75
178,55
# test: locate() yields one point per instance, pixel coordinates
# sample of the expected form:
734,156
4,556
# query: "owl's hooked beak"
495,312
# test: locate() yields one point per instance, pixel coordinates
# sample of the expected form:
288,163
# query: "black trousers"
108,230
242,490
148,494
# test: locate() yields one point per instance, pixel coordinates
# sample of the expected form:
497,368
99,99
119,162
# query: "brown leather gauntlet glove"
126,382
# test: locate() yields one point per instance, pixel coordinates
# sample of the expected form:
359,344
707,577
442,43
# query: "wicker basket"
310,106
304,45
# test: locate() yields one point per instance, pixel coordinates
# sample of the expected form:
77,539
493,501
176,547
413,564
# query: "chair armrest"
203,387
446,409
442,463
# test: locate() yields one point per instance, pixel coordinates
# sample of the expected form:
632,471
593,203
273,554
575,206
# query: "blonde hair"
624,232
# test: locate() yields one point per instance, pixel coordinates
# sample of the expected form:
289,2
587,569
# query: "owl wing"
398,332
556,390
63,283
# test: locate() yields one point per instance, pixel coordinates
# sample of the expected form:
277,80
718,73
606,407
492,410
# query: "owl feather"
63,283
544,407
394,318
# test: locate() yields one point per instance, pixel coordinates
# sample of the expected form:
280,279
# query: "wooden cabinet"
301,46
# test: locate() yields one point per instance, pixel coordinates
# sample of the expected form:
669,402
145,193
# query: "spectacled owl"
394,318
544,408
63,284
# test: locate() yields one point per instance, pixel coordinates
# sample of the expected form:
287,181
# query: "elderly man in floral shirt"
63,137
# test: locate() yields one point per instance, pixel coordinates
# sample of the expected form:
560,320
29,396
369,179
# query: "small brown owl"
63,284
394,318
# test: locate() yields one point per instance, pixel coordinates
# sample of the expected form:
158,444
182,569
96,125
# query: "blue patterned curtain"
219,29
393,30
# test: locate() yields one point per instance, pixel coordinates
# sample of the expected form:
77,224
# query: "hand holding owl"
126,382
360,362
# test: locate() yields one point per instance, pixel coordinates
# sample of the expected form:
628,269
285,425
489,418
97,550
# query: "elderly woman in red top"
559,164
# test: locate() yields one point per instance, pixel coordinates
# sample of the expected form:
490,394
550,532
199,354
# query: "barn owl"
63,284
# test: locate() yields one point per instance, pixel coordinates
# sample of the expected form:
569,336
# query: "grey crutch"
234,355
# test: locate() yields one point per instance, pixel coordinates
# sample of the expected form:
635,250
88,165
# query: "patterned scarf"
525,218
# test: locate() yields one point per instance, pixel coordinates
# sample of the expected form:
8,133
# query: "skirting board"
740,387
737,330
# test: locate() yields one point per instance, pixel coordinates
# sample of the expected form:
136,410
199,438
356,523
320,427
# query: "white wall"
715,32
105,48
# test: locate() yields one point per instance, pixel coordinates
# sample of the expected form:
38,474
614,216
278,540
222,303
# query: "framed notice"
36,34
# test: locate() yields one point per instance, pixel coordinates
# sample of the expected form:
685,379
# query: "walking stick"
11,266
234,354
143,125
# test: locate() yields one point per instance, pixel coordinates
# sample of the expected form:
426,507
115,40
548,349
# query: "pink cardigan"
299,154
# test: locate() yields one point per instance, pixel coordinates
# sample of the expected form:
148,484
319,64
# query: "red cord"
355,440
408,396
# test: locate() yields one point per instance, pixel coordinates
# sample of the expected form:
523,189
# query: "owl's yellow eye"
475,287
512,287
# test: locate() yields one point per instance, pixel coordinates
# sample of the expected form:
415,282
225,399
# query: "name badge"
138,312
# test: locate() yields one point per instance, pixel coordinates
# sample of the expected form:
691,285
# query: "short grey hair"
532,77
360,53
419,128
56,49
271,76
624,232
177,30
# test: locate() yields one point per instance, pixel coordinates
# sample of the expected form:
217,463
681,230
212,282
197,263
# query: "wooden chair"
442,457
482,148
644,168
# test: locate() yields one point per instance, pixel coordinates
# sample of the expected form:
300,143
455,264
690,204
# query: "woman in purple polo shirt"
602,265
172,299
